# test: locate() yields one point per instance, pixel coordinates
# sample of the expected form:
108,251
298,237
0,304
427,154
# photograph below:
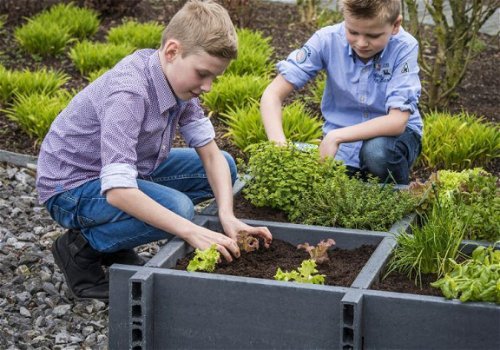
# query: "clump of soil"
341,270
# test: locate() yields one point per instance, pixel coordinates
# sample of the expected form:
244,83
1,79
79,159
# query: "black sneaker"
81,265
125,256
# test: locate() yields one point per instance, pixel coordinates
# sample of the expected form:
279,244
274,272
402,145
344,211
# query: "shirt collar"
164,93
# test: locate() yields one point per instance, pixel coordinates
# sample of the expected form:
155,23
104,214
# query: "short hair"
385,10
203,25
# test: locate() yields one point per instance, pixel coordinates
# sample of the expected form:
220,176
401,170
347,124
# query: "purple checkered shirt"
119,127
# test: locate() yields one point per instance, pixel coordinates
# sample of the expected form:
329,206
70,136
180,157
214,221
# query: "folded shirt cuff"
198,133
118,175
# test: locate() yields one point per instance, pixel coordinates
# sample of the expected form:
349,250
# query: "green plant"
454,43
308,10
254,52
28,82
233,91
138,35
245,125
36,112
204,260
475,279
351,203
317,89
328,17
89,57
279,175
3,18
459,141
42,38
79,22
306,273
429,247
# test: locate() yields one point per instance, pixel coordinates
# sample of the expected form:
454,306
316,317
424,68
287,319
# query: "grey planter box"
155,307
388,320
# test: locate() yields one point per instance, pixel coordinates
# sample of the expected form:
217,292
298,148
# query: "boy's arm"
270,108
137,204
219,178
392,124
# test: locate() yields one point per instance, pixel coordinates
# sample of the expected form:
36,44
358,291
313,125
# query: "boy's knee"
374,152
232,166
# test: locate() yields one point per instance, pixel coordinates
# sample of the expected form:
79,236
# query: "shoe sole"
59,263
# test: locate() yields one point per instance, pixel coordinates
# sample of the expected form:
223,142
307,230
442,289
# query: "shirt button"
362,99
364,70
163,147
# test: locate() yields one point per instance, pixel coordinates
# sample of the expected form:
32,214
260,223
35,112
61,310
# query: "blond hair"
385,10
203,25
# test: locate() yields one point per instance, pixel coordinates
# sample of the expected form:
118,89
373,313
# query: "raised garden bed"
168,308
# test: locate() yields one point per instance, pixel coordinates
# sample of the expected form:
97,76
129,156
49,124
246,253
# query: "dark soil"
245,210
398,282
341,270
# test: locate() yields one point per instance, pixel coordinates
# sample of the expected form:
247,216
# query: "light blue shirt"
356,91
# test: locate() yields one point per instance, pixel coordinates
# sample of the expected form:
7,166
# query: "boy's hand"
329,146
204,238
232,226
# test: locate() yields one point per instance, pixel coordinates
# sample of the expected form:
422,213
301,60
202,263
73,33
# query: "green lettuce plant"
279,175
306,273
254,52
29,82
351,203
138,35
89,57
458,142
204,260
475,279
233,91
35,113
245,127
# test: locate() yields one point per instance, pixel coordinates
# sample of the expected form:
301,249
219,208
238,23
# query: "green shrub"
459,141
42,38
79,22
96,74
233,91
28,82
36,112
89,57
328,17
245,125
254,53
279,175
430,247
138,35
351,203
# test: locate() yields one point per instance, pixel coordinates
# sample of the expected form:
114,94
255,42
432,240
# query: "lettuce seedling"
306,273
246,242
204,260
318,253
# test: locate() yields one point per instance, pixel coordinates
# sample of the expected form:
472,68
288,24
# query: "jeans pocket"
62,217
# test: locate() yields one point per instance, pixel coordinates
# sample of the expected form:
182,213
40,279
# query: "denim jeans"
390,158
177,184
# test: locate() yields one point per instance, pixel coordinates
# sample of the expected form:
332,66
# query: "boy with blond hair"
107,170
370,102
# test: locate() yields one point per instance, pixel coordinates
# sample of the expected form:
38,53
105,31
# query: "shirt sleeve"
196,129
303,64
121,120
403,90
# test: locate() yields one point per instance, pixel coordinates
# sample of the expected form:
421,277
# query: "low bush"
458,142
138,35
278,176
36,112
28,82
80,22
42,38
231,91
245,125
351,203
89,57
254,52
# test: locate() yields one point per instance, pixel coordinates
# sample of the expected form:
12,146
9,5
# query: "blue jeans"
177,184
390,158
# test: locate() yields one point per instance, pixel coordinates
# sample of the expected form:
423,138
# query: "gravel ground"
36,311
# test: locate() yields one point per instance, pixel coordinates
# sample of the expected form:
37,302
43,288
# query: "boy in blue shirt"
107,170
370,102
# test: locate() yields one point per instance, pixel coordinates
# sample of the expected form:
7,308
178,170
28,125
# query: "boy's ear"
397,25
171,50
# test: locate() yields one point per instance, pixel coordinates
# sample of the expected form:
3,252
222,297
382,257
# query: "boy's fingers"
224,253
